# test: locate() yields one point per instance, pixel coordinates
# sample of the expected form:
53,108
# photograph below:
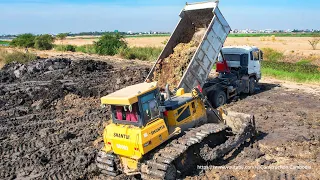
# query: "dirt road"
50,120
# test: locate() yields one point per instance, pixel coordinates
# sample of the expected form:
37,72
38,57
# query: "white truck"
239,69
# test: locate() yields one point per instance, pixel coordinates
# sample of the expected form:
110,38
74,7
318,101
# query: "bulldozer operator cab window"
126,113
150,108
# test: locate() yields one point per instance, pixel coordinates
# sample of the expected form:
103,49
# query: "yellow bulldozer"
161,134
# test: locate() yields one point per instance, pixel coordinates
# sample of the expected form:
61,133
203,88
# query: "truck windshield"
232,57
149,107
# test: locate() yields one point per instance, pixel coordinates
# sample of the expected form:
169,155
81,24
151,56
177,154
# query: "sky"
55,16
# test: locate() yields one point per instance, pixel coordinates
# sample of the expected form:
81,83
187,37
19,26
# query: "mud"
51,118
51,123
288,123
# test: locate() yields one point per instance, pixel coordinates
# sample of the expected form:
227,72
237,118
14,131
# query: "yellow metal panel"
153,135
129,163
128,95
119,100
180,92
133,142
196,112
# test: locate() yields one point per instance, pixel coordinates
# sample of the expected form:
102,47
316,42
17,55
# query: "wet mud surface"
50,116
288,139
51,123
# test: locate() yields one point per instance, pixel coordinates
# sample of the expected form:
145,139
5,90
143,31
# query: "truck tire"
252,85
218,98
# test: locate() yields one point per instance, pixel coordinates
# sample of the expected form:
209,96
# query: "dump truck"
239,71
156,133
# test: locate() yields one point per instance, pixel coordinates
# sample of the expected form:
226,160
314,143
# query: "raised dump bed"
193,47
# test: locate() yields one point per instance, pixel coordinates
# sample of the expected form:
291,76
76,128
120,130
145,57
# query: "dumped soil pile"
171,69
50,116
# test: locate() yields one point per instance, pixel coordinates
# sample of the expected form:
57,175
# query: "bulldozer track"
207,139
159,163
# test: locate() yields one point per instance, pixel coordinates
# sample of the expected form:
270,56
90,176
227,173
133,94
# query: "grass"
301,71
89,48
15,56
142,53
291,76
274,34
84,49
65,48
271,54
5,43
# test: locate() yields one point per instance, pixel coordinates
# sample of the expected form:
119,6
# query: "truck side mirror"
261,55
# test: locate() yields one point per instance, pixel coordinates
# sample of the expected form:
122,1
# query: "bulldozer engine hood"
133,142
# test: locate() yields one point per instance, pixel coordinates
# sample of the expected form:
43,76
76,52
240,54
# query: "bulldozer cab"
135,105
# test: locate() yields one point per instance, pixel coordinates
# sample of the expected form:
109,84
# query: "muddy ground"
50,120
50,115
287,145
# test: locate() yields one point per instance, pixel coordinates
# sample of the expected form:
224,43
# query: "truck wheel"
218,98
252,85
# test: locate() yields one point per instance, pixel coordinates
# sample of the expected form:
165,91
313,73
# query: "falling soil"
171,69
50,116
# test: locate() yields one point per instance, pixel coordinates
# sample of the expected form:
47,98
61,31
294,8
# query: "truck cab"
239,69
246,57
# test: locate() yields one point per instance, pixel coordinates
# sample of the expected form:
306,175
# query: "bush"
62,36
142,53
109,44
44,42
271,54
24,40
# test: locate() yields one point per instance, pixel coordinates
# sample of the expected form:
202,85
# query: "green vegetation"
62,36
291,76
41,42
302,71
4,42
274,34
304,62
65,48
15,56
142,53
109,44
271,54
89,48
44,42
24,41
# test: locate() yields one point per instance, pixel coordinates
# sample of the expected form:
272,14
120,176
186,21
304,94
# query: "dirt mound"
50,115
171,69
